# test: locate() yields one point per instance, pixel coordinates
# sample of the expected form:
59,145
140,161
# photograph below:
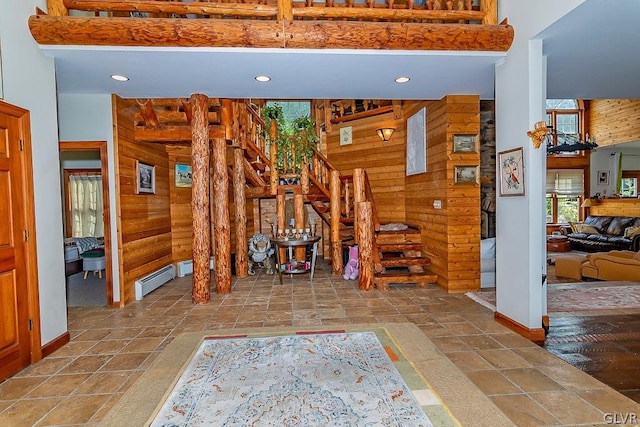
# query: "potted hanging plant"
294,141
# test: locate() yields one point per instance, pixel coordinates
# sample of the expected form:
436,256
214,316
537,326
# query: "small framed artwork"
145,178
466,174
183,176
603,177
346,135
417,143
465,143
511,170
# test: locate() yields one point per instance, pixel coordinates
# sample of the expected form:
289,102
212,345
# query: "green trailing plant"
300,134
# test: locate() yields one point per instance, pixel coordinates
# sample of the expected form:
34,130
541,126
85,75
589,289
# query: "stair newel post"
57,8
298,212
281,213
365,246
304,175
359,195
201,278
490,7
347,199
336,243
273,135
240,200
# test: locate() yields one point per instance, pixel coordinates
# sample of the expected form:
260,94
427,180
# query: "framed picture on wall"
417,143
466,174
603,177
145,178
511,170
465,143
183,176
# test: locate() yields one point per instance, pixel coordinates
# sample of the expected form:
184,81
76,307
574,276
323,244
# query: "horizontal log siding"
180,199
613,121
616,207
452,234
383,161
144,229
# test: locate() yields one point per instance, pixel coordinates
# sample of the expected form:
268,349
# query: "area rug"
305,379
323,378
578,297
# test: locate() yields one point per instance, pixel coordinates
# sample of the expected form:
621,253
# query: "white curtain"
86,206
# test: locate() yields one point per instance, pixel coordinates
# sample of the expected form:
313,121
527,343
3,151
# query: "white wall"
520,102
89,118
29,82
602,160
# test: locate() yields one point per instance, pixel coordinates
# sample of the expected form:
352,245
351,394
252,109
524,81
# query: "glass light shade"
385,133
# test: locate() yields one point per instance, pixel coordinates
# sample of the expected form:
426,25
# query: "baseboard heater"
154,280
186,267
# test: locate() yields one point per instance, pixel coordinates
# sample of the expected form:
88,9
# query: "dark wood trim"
104,167
536,335
55,344
98,31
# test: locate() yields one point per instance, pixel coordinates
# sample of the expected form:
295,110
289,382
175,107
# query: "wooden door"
16,296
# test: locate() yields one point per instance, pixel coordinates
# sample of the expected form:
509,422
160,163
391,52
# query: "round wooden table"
558,244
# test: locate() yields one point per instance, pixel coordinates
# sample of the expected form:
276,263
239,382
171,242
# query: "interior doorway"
90,158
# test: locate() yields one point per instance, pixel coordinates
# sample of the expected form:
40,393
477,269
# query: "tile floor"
110,349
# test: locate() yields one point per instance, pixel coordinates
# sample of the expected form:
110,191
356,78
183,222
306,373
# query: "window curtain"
565,182
86,206
617,172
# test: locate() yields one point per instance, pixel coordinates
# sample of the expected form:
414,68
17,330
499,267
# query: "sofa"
488,263
604,233
612,266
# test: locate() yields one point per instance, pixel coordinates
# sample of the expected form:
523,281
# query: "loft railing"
434,11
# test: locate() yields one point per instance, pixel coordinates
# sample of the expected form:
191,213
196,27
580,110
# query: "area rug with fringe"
575,297
354,376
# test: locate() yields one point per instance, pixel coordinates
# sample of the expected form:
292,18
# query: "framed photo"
603,177
145,178
465,143
466,174
183,177
346,135
417,143
511,170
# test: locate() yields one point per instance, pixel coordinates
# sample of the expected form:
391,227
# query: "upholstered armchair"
613,265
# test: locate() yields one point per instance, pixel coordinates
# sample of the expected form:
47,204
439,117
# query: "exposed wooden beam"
148,113
74,30
173,134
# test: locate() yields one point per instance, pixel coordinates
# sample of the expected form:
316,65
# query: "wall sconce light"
385,133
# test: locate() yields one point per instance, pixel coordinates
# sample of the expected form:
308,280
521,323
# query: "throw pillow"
586,228
573,226
631,232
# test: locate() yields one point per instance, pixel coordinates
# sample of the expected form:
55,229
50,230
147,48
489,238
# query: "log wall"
451,234
617,207
144,220
613,121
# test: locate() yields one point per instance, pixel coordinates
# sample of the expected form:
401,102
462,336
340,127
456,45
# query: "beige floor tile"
568,407
27,412
531,380
101,383
139,345
610,401
469,361
86,364
524,411
74,410
124,362
59,385
15,388
503,359
492,382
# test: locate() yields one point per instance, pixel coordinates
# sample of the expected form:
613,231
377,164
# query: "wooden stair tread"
400,247
405,277
404,261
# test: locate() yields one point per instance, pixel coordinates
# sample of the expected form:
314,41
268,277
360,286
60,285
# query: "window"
565,117
565,189
293,109
629,187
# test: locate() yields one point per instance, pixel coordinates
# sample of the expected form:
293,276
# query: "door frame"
29,219
104,172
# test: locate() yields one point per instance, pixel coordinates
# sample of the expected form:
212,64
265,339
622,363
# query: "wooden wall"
180,203
616,207
451,234
613,121
144,220
384,161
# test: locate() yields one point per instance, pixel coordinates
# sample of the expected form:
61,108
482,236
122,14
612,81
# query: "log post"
304,175
359,195
239,182
489,7
298,212
273,134
336,242
285,10
57,8
222,233
281,214
365,246
226,118
201,279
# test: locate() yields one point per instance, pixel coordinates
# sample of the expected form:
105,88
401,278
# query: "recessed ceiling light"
402,79
119,77
262,78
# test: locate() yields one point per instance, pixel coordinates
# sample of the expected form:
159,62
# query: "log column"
298,219
201,279
239,183
359,195
336,242
222,233
365,246
273,172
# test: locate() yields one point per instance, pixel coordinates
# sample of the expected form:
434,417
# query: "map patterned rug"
345,379
571,298
311,379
